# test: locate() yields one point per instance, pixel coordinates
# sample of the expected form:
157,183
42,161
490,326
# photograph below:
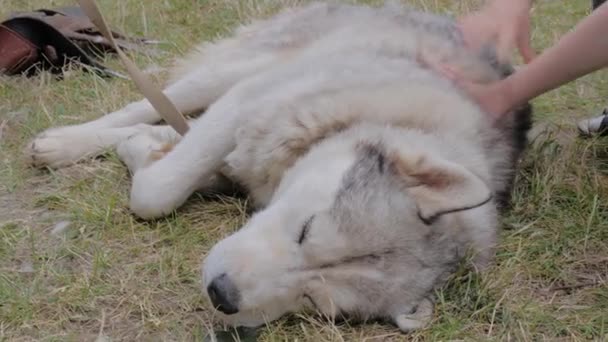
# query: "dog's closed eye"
305,229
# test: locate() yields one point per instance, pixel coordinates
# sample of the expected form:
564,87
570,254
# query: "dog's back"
332,27
367,61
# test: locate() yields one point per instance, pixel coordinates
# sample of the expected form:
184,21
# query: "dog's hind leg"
141,150
62,146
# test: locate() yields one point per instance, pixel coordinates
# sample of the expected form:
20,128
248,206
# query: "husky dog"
373,176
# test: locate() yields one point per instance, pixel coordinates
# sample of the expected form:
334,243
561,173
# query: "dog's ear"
438,186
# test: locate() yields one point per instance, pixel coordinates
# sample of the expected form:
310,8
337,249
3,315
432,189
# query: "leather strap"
159,101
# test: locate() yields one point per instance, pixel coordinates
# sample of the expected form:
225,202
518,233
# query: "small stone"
103,338
26,267
3,125
60,227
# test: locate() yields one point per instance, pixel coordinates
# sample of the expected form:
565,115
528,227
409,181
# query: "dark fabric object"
49,49
51,39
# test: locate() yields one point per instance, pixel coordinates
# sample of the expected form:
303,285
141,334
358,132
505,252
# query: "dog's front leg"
166,184
62,146
57,147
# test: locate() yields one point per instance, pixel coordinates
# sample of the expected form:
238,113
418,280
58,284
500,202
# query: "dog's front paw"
156,191
416,320
59,147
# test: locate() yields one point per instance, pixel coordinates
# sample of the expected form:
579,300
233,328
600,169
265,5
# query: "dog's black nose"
224,295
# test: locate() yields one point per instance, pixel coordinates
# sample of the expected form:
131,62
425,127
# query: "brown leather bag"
51,39
16,53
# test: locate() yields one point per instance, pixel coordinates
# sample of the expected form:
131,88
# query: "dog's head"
354,229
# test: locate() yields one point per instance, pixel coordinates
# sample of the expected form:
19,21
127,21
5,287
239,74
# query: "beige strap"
159,101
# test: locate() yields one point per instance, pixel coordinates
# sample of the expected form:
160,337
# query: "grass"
75,265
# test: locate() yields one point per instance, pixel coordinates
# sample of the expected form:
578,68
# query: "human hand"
504,22
494,99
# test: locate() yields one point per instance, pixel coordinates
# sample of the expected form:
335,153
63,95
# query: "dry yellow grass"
75,265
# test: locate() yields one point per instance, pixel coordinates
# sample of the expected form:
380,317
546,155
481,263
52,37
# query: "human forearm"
578,53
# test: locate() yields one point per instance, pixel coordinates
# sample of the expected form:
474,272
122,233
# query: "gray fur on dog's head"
354,240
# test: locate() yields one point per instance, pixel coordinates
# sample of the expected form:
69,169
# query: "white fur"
288,103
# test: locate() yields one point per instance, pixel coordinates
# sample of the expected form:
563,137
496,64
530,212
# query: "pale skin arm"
578,53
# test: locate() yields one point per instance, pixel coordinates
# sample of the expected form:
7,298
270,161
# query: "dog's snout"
224,295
